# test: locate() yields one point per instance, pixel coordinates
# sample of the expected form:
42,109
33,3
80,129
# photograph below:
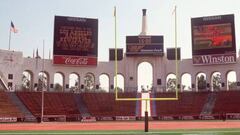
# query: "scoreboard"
75,41
144,45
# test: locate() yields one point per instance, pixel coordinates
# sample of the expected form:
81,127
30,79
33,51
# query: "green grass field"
165,132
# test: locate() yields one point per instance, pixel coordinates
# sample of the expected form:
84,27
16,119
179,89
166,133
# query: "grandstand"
60,106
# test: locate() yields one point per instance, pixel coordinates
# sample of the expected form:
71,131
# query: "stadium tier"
103,106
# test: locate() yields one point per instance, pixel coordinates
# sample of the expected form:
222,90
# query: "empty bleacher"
227,102
54,103
7,108
188,103
104,104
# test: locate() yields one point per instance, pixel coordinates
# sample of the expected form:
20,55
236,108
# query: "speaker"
208,85
159,82
178,86
51,85
111,86
67,86
82,86
10,84
112,54
97,86
171,53
193,85
238,83
223,84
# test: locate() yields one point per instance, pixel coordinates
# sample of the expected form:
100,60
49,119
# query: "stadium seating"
54,103
189,103
104,104
7,108
227,102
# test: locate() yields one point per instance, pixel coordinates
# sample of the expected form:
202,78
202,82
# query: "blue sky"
34,20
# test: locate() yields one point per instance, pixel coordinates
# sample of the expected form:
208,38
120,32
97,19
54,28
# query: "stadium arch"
74,82
216,81
27,80
186,82
121,83
201,81
231,82
171,82
89,82
43,81
145,72
104,82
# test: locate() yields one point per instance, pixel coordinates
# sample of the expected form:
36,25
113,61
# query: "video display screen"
213,40
212,36
75,40
144,45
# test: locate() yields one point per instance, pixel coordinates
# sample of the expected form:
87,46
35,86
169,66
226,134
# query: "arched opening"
145,77
43,81
216,81
186,82
231,80
201,82
89,82
104,83
74,81
27,80
120,83
58,82
171,82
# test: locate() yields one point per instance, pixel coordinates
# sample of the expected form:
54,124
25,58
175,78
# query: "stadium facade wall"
13,62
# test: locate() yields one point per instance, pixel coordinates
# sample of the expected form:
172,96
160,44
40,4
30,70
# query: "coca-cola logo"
76,61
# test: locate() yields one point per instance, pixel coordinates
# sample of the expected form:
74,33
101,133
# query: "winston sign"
214,59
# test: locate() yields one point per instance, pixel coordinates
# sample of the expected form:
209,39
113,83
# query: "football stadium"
143,88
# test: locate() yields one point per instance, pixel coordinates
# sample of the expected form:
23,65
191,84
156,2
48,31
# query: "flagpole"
49,54
176,53
42,109
33,53
116,63
9,42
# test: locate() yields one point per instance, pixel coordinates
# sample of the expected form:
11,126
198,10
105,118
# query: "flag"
13,28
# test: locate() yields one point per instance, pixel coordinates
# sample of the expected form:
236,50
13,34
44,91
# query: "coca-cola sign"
74,60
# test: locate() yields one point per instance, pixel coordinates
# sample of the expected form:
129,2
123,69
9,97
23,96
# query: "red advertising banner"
74,60
214,59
